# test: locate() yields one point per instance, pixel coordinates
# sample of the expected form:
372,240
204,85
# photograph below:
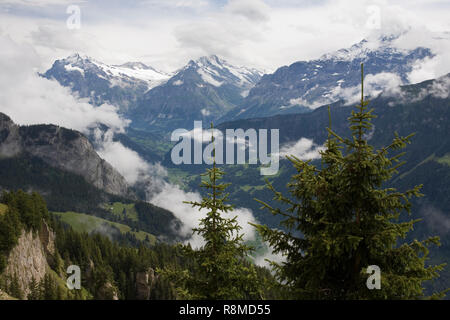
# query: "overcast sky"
259,33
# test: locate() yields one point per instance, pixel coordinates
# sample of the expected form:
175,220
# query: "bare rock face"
61,148
144,283
5,296
108,292
27,261
47,237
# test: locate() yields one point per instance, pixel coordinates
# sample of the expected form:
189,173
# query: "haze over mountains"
211,89
205,89
306,85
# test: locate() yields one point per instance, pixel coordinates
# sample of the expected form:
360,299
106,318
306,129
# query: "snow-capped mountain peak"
119,85
383,44
306,85
135,66
217,71
126,74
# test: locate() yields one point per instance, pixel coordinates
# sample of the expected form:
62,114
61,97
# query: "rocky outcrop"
62,148
145,280
108,292
5,296
47,237
27,261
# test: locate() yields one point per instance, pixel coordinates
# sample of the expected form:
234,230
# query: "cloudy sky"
259,33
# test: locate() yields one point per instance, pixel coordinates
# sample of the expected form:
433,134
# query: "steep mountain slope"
36,250
204,89
28,260
62,148
119,85
309,84
422,108
63,166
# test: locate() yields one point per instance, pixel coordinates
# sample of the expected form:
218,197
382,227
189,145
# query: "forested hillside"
110,270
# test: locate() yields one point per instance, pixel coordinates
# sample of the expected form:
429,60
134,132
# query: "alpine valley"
109,226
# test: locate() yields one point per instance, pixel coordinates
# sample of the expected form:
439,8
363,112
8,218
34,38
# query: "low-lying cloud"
304,149
374,84
438,88
190,216
436,219
30,99
126,161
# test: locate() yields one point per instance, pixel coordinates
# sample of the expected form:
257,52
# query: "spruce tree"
341,218
35,293
14,287
220,269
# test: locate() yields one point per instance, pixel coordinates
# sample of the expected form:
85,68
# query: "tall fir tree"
341,218
220,268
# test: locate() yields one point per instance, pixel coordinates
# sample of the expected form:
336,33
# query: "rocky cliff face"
28,259
62,148
144,283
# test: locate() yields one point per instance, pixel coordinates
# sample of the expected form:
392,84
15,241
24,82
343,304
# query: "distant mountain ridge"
305,85
205,89
119,85
211,89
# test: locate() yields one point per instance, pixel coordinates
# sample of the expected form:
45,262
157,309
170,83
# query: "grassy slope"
81,222
118,209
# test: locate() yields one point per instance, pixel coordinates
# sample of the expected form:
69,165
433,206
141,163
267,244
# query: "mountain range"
205,89
79,186
211,89
306,85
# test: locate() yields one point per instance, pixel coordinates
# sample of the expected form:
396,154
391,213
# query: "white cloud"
29,99
41,3
268,256
436,219
439,88
254,10
193,4
374,84
205,112
164,198
304,149
126,161
252,32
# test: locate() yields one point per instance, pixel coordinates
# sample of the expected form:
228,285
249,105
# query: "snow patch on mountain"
209,78
127,74
70,68
217,71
